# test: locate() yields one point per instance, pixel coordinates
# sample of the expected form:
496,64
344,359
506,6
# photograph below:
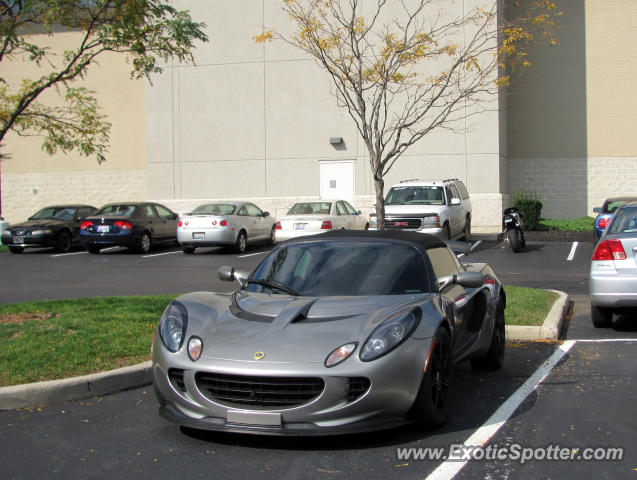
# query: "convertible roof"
423,240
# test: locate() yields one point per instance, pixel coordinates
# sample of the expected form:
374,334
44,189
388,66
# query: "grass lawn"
582,224
65,338
3,249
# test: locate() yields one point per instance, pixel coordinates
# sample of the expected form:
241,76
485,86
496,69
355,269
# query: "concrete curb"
551,327
103,383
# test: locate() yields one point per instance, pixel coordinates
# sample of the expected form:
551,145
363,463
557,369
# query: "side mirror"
466,279
359,212
455,201
228,274
266,214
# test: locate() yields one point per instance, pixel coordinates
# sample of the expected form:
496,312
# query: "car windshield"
611,207
624,221
431,195
65,214
53,212
343,268
122,210
215,209
310,208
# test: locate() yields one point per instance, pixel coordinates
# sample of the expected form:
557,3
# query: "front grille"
176,377
357,387
266,392
403,223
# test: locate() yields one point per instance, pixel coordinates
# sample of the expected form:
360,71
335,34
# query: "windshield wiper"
273,284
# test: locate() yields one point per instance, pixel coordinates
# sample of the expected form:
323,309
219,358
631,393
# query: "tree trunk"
379,185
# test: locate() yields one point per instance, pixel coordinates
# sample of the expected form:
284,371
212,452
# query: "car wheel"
367,226
93,249
446,235
272,239
602,317
431,407
513,238
467,229
494,358
16,249
188,250
143,246
240,244
64,241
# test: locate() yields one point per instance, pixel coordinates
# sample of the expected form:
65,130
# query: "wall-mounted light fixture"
336,140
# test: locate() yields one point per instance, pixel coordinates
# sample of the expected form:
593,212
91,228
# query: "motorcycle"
513,229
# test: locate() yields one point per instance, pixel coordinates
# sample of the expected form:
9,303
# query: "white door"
337,180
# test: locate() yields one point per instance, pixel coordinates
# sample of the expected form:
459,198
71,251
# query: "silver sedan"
613,274
309,218
232,224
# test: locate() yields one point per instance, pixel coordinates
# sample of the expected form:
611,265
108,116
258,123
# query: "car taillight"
610,250
326,225
85,224
123,225
603,222
488,281
278,226
180,223
223,223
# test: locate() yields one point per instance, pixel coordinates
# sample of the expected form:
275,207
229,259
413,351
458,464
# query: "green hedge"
528,203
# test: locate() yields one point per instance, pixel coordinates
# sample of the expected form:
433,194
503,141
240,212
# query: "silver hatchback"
613,274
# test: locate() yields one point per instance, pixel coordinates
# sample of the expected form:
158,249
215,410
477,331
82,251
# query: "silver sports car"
342,332
233,224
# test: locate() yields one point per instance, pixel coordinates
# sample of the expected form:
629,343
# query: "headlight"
431,221
173,326
389,335
42,232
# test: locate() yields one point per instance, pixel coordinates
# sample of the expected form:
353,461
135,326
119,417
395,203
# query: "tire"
93,249
144,244
272,239
240,245
367,226
188,250
467,229
16,249
494,358
431,407
446,235
63,242
602,317
513,237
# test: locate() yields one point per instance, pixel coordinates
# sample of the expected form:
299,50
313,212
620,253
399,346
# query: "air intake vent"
357,387
176,377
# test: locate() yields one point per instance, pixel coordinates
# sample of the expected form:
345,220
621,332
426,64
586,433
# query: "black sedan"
136,225
56,226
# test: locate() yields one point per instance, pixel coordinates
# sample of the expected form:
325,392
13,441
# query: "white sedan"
308,218
233,224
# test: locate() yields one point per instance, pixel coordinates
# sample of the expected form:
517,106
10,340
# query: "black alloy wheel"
143,246
431,407
64,241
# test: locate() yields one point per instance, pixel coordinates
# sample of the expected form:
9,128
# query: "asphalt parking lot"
586,400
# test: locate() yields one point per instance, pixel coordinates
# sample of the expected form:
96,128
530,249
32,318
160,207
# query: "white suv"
438,207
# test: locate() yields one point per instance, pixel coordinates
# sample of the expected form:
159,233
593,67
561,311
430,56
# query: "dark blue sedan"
606,212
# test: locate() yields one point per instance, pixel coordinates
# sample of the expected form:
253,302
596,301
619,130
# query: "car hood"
43,223
284,328
416,209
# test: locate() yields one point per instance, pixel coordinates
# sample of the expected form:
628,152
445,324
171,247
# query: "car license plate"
18,239
300,226
103,228
198,236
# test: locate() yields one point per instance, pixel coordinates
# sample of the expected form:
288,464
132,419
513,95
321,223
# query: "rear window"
310,208
215,209
122,210
624,221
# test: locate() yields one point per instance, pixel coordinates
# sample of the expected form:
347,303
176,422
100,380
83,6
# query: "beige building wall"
570,129
254,121
32,179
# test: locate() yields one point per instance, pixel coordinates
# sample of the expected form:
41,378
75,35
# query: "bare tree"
405,68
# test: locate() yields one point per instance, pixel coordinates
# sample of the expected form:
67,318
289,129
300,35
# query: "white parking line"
160,254
571,255
252,254
67,254
449,468
473,247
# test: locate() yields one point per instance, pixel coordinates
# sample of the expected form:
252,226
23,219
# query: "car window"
215,209
463,190
612,207
443,261
341,208
420,195
253,210
454,192
243,211
449,194
624,221
310,208
65,214
345,268
119,210
85,212
163,211
350,209
148,211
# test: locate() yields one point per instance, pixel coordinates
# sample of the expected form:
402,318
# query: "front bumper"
394,383
436,231
48,240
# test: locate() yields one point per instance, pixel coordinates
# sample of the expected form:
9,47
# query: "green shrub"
528,203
